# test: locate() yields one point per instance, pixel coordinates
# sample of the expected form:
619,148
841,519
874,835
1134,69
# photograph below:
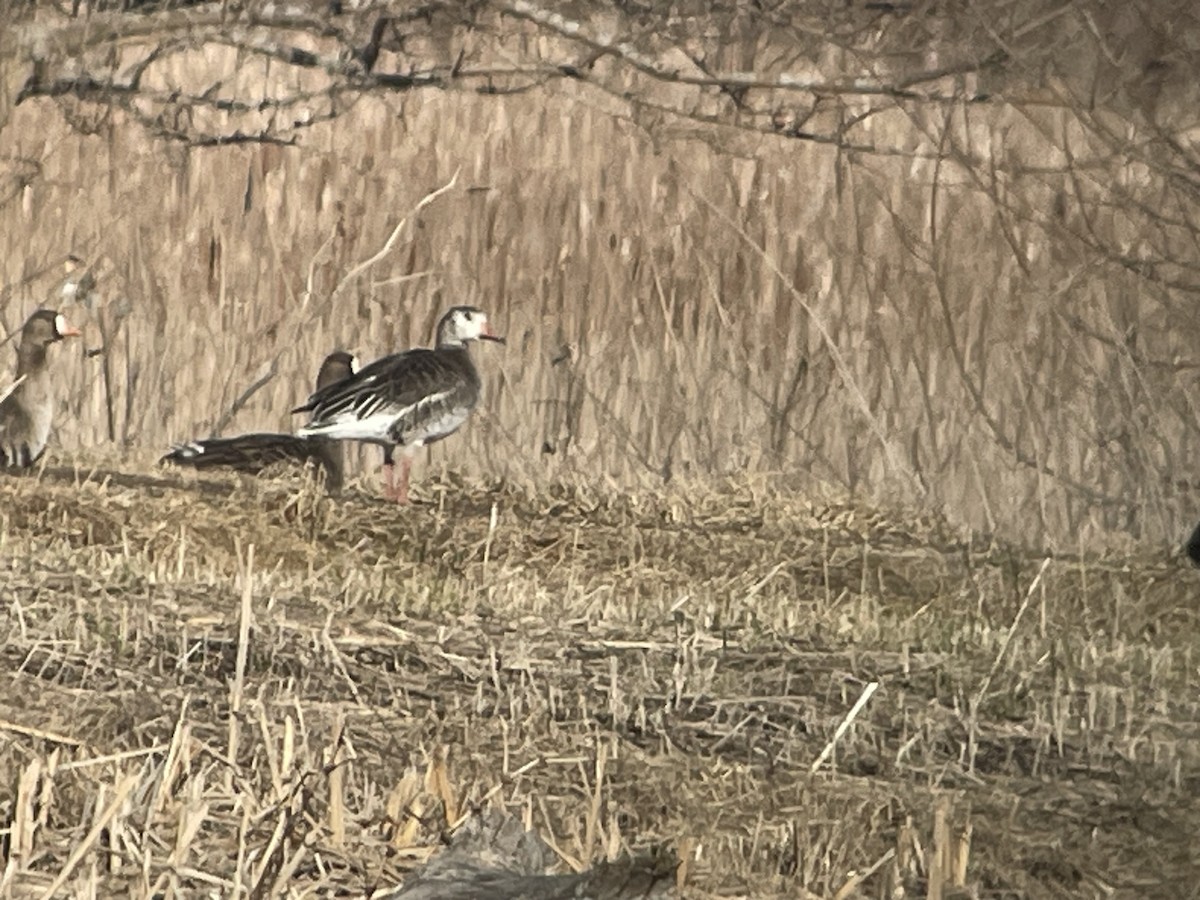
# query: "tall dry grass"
943,324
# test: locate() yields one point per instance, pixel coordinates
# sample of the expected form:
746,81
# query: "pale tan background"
1000,364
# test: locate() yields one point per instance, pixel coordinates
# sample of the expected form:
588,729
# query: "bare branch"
265,374
733,81
392,238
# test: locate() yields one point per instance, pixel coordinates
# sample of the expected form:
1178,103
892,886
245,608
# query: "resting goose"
252,453
408,399
27,410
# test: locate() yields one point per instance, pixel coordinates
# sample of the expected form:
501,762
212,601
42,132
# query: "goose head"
338,366
462,324
46,327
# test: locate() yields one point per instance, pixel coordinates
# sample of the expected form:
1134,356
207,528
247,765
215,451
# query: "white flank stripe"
347,426
351,428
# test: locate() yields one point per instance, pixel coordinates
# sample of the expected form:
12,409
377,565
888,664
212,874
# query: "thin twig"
243,649
40,734
851,886
312,266
12,387
111,757
1009,635
626,52
245,396
500,785
391,241
124,789
870,689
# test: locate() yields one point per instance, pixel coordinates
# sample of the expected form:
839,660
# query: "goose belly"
432,424
41,417
24,431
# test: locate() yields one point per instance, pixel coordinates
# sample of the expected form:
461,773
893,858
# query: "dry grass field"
624,671
819,525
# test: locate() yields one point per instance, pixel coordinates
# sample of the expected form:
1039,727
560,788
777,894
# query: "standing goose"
27,410
408,399
252,453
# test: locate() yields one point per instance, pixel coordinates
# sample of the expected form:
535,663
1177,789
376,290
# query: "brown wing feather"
251,453
393,384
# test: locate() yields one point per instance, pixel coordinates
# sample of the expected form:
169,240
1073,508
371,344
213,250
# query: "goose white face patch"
471,325
60,324
354,365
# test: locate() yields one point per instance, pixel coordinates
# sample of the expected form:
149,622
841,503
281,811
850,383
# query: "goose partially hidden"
254,453
406,400
27,409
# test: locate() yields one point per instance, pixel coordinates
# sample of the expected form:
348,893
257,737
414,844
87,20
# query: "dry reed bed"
666,287
623,671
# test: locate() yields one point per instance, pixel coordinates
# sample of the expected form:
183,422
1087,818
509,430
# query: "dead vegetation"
252,688
745,263
916,254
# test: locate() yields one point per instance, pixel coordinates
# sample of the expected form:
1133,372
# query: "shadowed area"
1193,546
494,856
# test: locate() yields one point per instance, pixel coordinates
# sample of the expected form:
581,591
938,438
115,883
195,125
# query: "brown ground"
626,672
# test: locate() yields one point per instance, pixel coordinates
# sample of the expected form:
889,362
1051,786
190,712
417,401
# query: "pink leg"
401,496
389,479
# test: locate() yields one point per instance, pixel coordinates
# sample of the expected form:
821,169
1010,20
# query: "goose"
1192,548
27,409
252,453
407,400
